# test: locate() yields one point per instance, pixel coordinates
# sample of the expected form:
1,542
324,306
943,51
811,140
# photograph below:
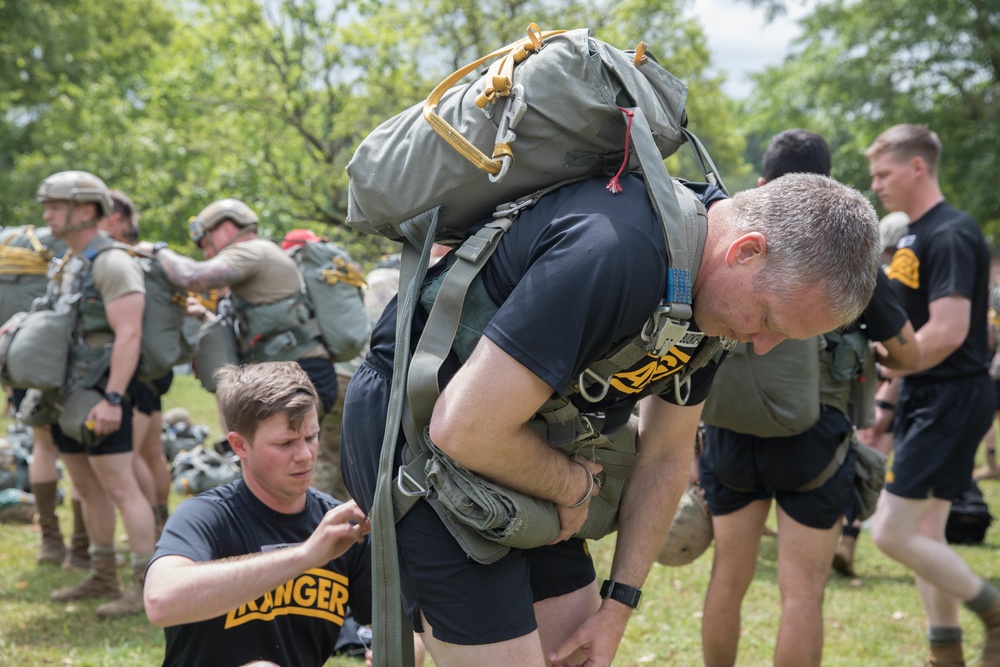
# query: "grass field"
873,621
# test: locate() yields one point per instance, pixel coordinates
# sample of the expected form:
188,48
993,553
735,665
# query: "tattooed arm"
902,352
193,275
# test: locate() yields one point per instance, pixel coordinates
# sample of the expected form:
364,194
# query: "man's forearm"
193,275
180,591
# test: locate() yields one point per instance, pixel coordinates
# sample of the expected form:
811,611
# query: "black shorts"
766,468
323,376
996,393
465,602
939,426
147,395
16,396
118,442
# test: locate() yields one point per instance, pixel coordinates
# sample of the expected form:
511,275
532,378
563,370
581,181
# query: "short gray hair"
819,232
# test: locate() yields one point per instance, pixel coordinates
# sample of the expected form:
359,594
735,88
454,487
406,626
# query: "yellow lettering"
283,594
323,600
303,596
338,599
266,603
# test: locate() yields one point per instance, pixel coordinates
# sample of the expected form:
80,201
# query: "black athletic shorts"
939,425
996,393
464,601
323,376
736,469
116,443
148,394
16,396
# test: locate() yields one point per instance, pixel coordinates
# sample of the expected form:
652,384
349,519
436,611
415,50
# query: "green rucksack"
333,293
771,395
779,394
163,342
25,253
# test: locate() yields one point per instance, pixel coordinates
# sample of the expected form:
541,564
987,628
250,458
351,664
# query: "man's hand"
596,640
341,527
106,418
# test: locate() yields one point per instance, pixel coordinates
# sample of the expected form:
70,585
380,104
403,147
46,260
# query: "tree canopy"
863,66
181,103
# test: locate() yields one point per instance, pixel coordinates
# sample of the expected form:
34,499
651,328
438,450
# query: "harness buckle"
661,332
597,379
682,389
419,492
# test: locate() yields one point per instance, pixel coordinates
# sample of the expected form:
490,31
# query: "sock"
984,599
79,527
942,635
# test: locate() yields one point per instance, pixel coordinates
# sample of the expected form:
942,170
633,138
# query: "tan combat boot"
991,648
843,557
52,549
78,555
946,656
102,582
129,603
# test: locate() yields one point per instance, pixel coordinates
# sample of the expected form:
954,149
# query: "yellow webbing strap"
500,76
24,261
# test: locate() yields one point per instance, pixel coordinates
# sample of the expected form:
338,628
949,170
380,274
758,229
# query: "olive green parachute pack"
552,108
333,293
780,394
329,310
25,253
37,347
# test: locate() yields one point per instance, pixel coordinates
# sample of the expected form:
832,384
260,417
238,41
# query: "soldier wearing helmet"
270,317
74,201
94,429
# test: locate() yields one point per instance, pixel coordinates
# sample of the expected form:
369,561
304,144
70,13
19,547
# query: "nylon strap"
393,645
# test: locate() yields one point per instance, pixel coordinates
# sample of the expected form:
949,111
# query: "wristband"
885,405
593,481
627,595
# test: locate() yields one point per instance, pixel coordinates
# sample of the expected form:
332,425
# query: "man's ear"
761,181
746,249
238,444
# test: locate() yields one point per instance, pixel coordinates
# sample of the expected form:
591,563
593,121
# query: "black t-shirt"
944,254
884,316
577,276
296,624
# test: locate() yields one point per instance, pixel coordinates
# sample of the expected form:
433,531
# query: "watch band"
113,398
160,245
627,595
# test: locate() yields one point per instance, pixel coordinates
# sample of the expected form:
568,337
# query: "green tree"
71,83
861,67
266,101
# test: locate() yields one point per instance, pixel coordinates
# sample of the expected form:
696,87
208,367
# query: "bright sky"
741,41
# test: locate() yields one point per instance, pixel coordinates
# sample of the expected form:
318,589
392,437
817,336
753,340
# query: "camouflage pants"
326,476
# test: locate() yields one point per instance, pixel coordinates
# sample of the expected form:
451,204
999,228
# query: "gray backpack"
565,95
25,253
333,283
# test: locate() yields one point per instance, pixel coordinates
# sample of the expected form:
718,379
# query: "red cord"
614,185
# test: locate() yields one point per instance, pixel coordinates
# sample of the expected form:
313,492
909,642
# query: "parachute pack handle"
501,73
22,261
